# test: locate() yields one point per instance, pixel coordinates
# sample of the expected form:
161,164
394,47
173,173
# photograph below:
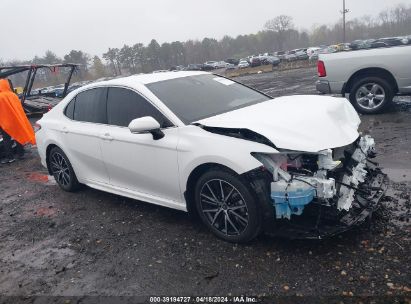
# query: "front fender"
198,147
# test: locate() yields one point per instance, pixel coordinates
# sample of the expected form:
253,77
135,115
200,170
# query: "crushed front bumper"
319,221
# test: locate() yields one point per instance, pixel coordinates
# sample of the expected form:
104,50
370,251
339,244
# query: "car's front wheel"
227,207
62,170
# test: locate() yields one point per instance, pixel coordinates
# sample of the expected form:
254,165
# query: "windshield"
196,97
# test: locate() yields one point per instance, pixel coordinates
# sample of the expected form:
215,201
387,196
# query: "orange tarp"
13,120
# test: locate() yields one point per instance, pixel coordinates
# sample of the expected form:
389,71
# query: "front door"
137,162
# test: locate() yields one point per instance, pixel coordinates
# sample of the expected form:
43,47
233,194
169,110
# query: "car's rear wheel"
62,170
226,206
371,95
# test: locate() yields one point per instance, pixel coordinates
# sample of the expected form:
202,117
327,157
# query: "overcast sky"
34,26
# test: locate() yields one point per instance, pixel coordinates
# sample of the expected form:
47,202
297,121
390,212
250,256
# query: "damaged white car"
240,160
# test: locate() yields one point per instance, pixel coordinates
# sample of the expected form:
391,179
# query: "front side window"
196,97
124,105
90,106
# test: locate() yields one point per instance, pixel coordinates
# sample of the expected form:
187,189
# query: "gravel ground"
94,243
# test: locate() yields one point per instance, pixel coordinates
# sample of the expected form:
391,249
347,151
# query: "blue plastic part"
292,202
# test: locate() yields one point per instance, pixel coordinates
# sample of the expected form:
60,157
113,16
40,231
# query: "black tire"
238,219
358,92
62,170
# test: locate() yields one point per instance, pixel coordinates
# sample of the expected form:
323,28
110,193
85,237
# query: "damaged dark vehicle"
40,101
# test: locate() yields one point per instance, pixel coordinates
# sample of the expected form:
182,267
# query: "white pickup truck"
371,77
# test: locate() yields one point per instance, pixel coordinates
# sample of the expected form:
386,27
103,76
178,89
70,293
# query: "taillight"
49,107
321,69
36,127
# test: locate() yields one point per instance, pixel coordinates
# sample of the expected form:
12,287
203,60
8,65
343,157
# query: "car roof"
143,79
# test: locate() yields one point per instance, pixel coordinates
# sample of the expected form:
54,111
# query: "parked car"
58,91
243,64
221,65
211,63
177,68
273,60
394,41
233,61
230,66
331,49
33,92
263,58
358,44
47,91
371,77
324,50
290,56
312,53
207,67
378,44
301,54
280,55
267,58
255,61
195,67
241,161
160,71
341,47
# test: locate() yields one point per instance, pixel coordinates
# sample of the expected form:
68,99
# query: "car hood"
302,123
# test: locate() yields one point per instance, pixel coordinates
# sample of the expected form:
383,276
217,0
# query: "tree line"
278,34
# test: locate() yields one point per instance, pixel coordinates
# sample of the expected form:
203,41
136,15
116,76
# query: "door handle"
106,136
64,130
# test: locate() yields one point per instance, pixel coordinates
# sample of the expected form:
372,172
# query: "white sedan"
201,143
243,64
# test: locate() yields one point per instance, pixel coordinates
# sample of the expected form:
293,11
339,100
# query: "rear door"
82,134
137,162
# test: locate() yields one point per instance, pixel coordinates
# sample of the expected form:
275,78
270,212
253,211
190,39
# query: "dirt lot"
93,243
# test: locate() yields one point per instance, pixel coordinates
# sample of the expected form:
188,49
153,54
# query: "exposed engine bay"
342,182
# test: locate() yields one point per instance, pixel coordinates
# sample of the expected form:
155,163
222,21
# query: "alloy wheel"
224,207
60,169
370,96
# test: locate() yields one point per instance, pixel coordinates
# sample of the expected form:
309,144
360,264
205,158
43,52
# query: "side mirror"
146,124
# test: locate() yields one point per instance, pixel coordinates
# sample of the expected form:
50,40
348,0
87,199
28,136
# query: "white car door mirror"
146,124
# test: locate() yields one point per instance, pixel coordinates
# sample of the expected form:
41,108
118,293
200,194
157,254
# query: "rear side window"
90,106
69,111
124,105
